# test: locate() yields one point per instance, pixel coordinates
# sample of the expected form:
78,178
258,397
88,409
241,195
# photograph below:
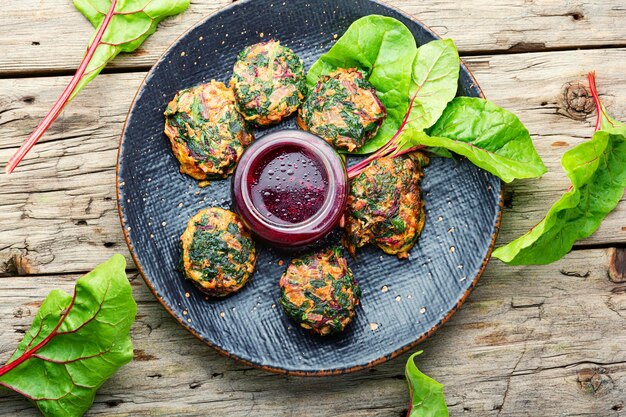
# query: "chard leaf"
434,82
426,394
384,50
75,343
121,26
597,170
490,137
131,24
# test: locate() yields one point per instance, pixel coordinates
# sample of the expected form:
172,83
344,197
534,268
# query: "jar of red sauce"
290,188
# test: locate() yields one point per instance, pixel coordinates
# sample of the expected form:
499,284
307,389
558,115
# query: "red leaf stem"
65,96
599,107
594,92
388,148
29,353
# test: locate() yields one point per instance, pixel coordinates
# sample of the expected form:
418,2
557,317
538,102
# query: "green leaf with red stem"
597,170
426,394
487,135
121,26
492,138
75,343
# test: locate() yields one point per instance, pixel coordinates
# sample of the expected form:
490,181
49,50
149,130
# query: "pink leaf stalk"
60,104
30,352
600,111
389,148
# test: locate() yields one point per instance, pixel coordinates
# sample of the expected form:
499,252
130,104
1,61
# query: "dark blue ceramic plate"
403,301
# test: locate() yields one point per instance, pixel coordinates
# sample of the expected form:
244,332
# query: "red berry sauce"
290,188
288,183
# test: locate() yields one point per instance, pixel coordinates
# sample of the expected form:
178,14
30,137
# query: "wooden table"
530,341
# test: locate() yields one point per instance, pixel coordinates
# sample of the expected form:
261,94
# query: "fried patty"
269,82
319,292
385,206
343,109
218,253
206,132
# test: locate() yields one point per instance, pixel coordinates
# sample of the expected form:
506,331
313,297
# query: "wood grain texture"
48,35
546,340
63,195
530,341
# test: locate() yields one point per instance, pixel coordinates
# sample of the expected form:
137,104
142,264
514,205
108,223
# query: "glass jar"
290,188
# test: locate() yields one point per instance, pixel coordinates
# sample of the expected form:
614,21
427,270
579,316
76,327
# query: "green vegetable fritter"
218,253
385,206
319,292
207,133
269,82
343,109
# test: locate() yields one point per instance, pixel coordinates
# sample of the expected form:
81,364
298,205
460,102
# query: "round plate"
403,302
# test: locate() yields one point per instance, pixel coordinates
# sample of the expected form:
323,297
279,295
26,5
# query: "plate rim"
276,369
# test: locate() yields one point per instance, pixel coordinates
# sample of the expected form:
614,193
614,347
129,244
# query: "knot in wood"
577,100
20,312
594,381
617,265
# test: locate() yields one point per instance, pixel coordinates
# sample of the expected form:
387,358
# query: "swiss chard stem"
594,92
30,352
25,356
60,104
387,149
601,115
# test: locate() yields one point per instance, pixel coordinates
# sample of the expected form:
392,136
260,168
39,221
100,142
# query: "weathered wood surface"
49,35
59,206
530,341
542,341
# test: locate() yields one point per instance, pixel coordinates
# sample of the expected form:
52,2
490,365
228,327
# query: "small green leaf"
121,26
434,82
75,343
426,394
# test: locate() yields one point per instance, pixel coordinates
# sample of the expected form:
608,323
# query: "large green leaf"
422,98
384,50
75,343
427,398
597,170
434,82
132,22
490,137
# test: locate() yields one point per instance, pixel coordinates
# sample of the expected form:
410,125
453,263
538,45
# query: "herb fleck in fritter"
207,133
218,254
319,292
343,109
269,82
385,206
